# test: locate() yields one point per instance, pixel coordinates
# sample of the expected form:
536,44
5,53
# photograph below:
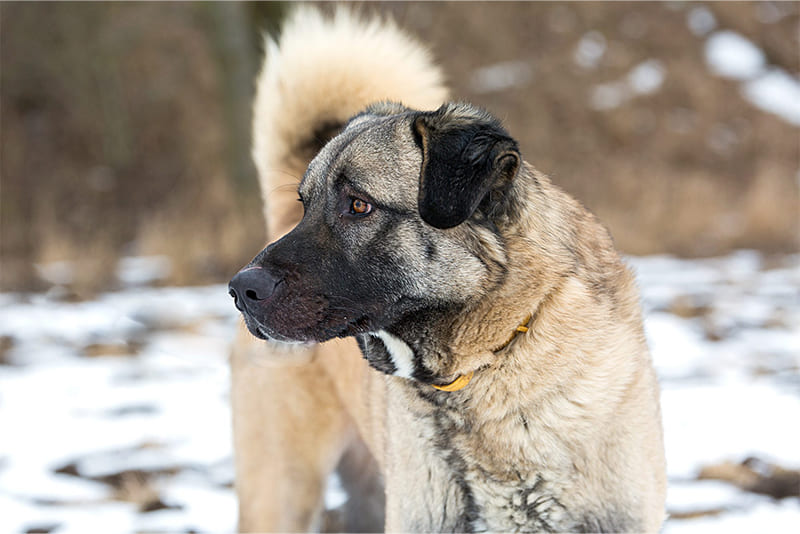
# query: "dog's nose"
250,285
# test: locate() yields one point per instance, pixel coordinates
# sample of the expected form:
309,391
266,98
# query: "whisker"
282,187
278,170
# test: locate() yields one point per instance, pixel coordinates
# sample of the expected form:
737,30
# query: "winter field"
114,413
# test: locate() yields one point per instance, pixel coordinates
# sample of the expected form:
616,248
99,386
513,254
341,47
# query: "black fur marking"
542,511
382,236
609,522
464,157
537,510
423,374
322,133
446,428
430,250
375,352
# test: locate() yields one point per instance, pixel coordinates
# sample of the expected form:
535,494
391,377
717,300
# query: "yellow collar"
522,328
462,380
459,383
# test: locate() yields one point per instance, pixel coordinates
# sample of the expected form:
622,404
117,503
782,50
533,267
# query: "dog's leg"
361,479
290,430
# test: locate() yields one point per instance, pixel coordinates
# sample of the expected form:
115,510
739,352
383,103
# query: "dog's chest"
507,482
528,507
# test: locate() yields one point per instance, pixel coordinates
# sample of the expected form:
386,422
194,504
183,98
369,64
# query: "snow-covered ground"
114,413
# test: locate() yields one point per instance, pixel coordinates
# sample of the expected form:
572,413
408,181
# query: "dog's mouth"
296,322
323,332
261,331
255,327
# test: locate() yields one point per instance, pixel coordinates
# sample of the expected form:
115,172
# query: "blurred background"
128,198
125,127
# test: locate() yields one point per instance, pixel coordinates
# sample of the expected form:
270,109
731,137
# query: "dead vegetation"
137,486
756,476
125,127
752,475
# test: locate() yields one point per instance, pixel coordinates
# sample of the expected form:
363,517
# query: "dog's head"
402,228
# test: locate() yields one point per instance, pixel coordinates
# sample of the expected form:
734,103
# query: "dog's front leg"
289,431
425,490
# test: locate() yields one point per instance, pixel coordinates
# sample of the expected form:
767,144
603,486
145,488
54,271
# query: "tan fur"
354,63
580,380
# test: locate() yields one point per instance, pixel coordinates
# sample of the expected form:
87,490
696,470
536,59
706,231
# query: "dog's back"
321,72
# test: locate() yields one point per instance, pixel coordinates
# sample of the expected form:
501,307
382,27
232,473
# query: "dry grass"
691,169
125,128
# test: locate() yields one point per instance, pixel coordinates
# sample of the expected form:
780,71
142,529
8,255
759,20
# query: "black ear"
465,154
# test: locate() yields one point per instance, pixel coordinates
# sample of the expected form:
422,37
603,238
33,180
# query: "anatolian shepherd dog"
433,297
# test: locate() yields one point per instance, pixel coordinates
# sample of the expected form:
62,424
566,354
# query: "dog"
505,383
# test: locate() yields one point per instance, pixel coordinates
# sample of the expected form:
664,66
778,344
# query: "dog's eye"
360,207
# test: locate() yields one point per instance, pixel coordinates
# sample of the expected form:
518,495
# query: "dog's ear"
465,155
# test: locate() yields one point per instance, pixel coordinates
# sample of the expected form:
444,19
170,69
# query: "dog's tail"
323,70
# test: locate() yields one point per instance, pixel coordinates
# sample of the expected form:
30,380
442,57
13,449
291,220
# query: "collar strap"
459,383
522,328
462,380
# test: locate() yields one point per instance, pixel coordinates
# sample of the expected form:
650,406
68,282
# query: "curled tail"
323,70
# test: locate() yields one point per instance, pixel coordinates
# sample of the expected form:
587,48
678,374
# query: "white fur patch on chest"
401,354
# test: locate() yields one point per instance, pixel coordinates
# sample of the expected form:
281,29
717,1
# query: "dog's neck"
441,348
437,346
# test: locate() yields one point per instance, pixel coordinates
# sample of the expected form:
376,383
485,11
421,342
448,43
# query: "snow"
501,76
772,12
647,77
703,495
765,516
701,20
725,340
731,55
767,87
705,423
644,78
143,270
609,95
775,92
131,271
590,50
727,53
56,272
676,347
163,408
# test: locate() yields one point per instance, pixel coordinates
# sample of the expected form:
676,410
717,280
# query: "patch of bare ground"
756,476
137,486
6,344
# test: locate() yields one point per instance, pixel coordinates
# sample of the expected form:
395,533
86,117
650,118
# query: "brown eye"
360,207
